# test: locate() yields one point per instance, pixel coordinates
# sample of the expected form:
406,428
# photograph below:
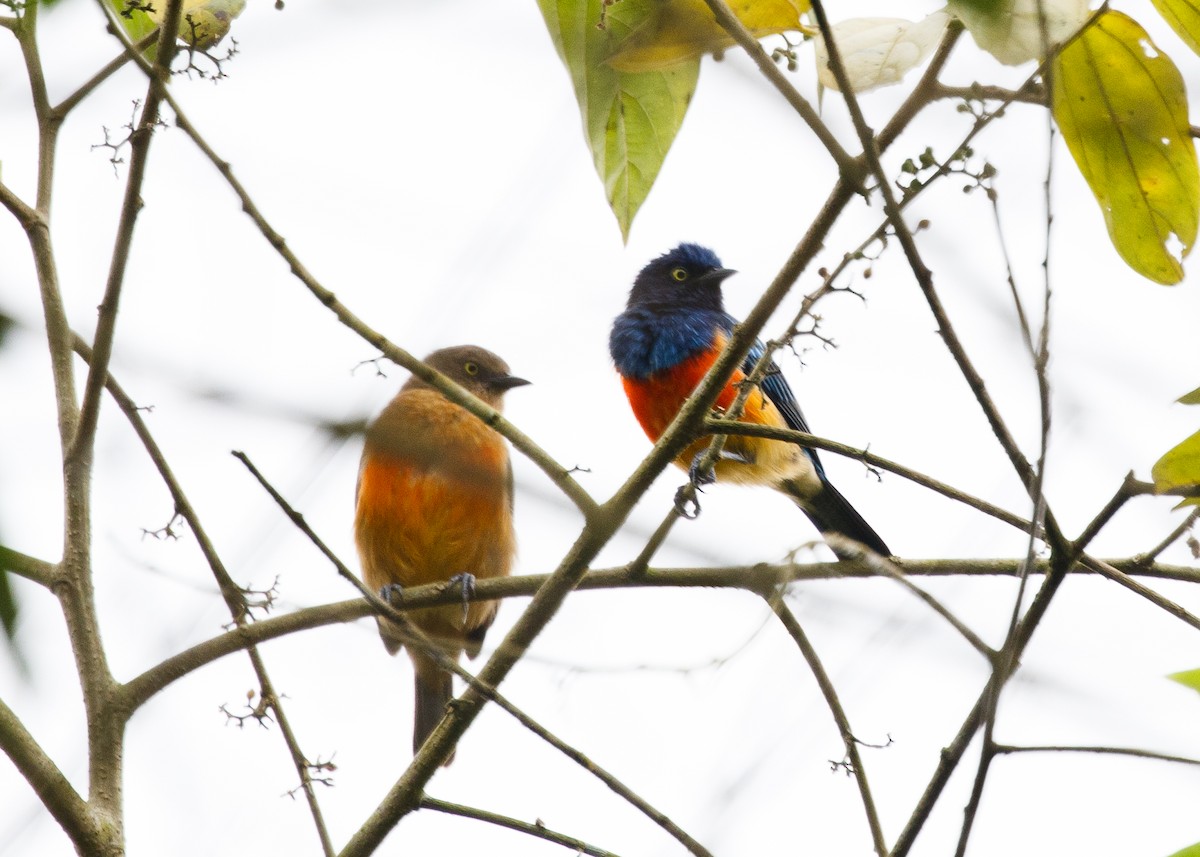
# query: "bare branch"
64,107
849,167
28,567
1112,751
52,787
230,591
776,603
79,454
806,439
413,637
537,829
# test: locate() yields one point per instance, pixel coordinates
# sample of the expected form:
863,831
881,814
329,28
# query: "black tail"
830,512
434,690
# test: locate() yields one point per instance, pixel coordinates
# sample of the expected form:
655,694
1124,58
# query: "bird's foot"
686,502
466,581
393,594
699,476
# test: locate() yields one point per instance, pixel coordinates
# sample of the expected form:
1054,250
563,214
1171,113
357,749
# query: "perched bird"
434,504
669,335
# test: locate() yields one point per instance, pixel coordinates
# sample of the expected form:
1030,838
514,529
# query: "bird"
672,330
434,503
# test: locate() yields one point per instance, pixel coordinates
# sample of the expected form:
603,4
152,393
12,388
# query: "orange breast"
656,400
434,508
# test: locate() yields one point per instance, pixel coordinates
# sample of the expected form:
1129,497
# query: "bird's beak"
715,277
507,382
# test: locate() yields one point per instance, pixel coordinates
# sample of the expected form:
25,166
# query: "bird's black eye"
471,368
679,274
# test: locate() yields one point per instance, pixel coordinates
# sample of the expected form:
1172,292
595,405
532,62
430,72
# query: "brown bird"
434,504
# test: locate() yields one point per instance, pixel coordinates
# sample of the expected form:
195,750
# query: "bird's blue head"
688,277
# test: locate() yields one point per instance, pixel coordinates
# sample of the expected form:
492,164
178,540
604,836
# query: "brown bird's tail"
830,512
434,690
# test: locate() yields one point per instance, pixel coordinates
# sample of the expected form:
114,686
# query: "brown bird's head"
476,369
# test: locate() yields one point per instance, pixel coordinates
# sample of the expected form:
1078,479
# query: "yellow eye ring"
471,368
679,274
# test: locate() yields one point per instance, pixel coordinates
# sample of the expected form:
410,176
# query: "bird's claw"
686,503
700,476
466,581
392,594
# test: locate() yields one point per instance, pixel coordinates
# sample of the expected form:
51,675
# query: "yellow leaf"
1179,469
203,22
1192,398
1122,109
1187,678
1184,18
674,31
629,120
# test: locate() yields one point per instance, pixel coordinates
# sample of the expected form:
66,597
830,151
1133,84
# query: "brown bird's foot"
466,580
393,594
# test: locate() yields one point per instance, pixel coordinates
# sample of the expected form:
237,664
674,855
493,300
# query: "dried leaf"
879,51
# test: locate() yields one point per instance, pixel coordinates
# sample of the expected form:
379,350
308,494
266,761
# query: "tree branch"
755,578
537,829
28,567
850,168
777,605
1000,749
79,455
53,789
866,456
413,637
230,591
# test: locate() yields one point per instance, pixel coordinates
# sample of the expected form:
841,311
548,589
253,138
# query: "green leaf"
629,119
1122,109
1190,851
1192,398
1179,469
1187,678
1184,18
137,23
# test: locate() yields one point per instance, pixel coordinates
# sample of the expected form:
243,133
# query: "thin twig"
233,595
1175,535
559,475
60,110
413,637
537,829
780,608
140,138
849,167
1115,574
1111,751
730,427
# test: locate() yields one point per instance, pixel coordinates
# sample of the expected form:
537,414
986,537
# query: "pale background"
425,161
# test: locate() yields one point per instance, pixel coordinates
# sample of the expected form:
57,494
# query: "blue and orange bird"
434,504
672,330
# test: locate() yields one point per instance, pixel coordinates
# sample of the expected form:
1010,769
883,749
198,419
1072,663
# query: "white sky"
426,163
